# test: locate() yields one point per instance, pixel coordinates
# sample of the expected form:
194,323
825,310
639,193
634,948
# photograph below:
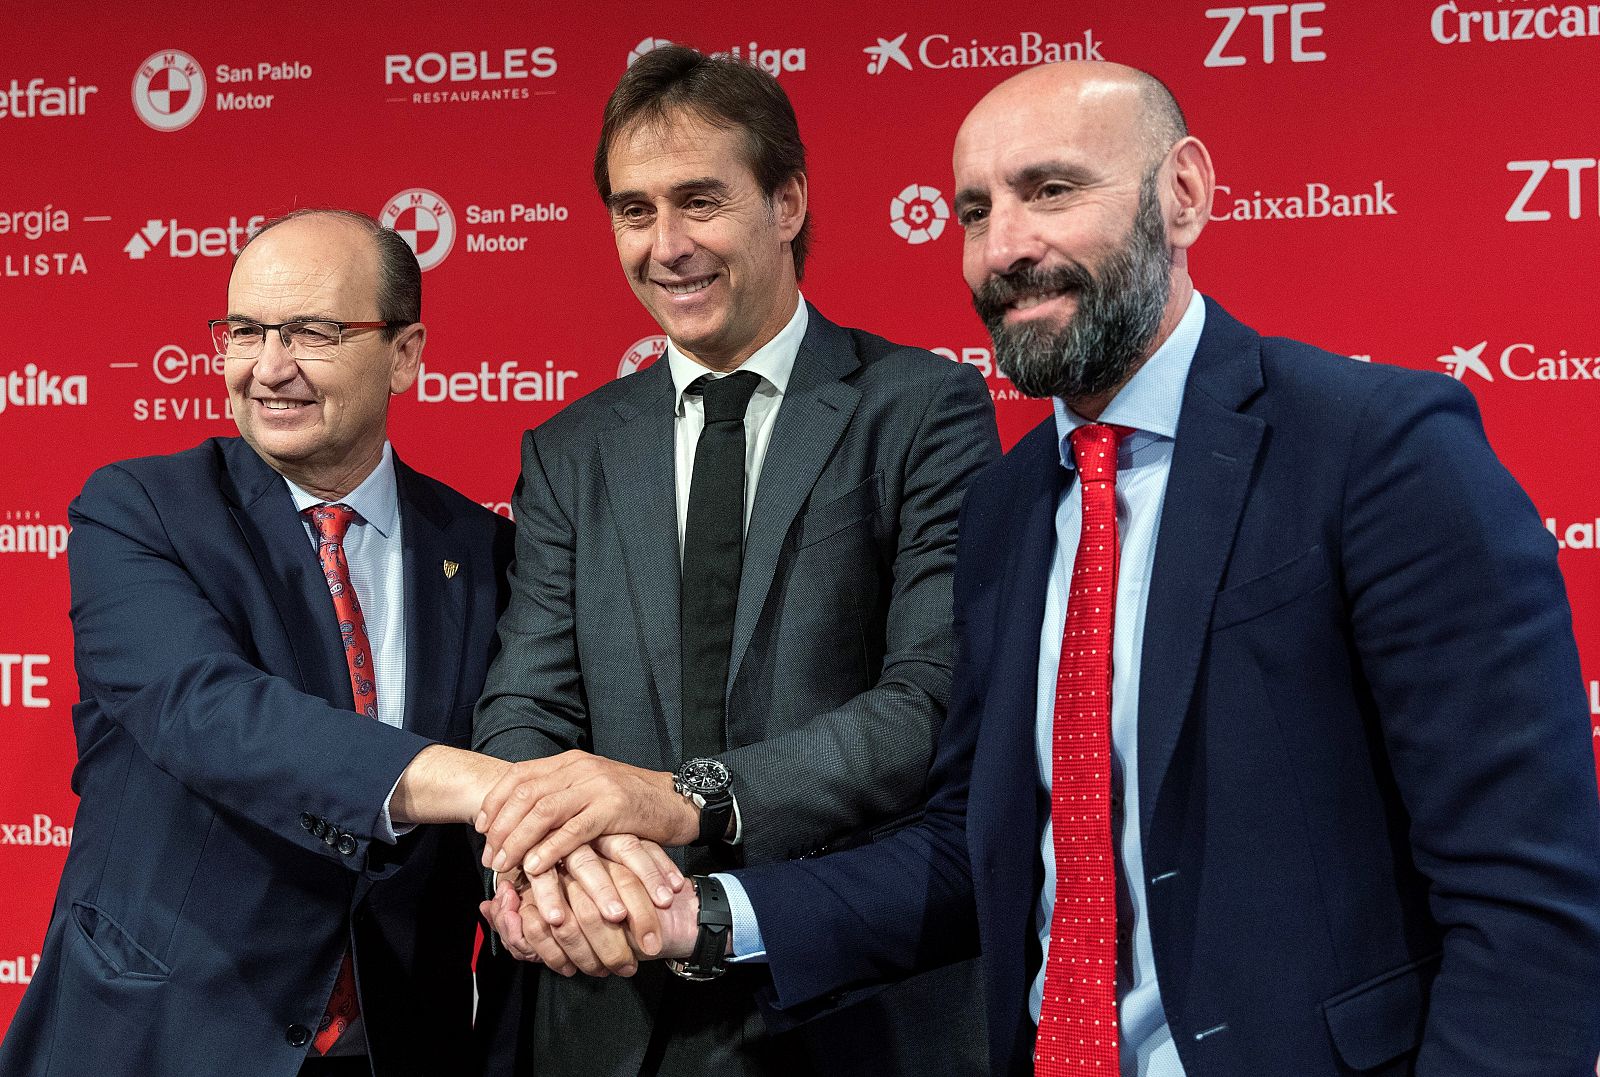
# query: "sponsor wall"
1410,183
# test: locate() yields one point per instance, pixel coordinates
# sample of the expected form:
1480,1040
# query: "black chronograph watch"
708,785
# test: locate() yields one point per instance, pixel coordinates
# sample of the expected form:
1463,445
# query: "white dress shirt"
773,361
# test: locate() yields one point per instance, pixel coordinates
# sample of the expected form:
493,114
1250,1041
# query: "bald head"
1080,192
1128,106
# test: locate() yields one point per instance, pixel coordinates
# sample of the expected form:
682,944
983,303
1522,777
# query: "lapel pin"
450,570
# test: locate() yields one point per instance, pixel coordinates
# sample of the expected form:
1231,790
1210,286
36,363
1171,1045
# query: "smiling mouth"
1034,299
686,287
283,405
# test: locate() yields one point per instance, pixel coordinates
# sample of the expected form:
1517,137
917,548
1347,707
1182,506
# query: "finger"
543,943
645,859
643,923
544,893
507,921
586,869
606,940
581,829
551,810
512,812
569,935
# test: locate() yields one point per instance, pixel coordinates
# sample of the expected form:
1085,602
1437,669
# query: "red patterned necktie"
1078,1014
331,523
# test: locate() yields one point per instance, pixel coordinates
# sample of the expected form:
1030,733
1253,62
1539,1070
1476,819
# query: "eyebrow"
702,185
1029,176
316,317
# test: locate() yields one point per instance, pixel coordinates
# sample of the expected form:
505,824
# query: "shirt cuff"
386,831
747,943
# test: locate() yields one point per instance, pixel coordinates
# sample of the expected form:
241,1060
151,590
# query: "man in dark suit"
1266,696
247,891
733,565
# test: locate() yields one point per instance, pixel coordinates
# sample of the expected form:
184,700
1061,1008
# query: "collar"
1153,398
376,500
774,360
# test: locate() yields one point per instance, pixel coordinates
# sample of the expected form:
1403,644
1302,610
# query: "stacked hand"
584,882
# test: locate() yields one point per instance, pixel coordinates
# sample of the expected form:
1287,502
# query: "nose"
672,243
1010,240
274,366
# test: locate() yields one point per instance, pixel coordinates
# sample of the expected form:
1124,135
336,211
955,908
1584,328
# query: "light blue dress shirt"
375,553
1149,404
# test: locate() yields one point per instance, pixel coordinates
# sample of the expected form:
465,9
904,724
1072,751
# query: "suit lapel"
435,606
636,459
815,411
1213,458
290,572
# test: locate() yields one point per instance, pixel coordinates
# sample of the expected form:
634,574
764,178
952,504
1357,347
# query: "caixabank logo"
941,52
1518,362
1310,201
169,90
41,830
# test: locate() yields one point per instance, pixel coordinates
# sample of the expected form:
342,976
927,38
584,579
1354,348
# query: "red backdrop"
1409,183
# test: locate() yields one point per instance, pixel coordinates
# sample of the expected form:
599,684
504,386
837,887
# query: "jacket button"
331,838
347,844
319,827
298,1035
306,820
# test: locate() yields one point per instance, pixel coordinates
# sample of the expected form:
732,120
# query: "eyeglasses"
236,338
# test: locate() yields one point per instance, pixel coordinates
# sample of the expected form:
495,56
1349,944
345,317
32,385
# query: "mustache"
1001,290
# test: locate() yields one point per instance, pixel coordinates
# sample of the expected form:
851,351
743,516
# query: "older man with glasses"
278,638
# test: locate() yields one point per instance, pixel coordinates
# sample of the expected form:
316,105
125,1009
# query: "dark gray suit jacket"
837,685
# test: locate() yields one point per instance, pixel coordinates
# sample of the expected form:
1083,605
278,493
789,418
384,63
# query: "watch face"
705,776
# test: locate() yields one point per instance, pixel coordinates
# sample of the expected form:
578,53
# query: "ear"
406,357
1189,186
789,205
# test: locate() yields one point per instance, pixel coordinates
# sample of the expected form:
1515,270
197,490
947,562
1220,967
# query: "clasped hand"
584,882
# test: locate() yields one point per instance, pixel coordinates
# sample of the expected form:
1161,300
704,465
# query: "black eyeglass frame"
283,333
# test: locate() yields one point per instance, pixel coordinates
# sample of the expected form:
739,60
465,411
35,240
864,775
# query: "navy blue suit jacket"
223,857
1368,799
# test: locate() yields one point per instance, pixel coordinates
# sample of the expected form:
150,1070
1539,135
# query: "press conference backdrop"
1407,182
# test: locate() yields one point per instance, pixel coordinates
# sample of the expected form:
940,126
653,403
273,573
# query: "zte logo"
1574,167
1295,28
21,681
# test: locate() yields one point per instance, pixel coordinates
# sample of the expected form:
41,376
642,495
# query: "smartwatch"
708,785
716,925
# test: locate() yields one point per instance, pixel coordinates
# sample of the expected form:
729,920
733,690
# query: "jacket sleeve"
1461,621
537,637
868,759
159,662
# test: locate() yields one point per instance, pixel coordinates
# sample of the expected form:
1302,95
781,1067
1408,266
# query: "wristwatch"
711,944
708,785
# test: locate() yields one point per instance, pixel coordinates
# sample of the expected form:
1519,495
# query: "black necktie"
713,551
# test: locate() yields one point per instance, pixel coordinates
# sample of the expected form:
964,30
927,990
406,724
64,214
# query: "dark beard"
1119,311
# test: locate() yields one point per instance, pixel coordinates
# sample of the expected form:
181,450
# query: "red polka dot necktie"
1078,1015
331,523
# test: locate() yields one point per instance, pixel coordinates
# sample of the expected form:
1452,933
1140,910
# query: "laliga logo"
641,353
918,214
649,44
880,54
424,221
169,90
